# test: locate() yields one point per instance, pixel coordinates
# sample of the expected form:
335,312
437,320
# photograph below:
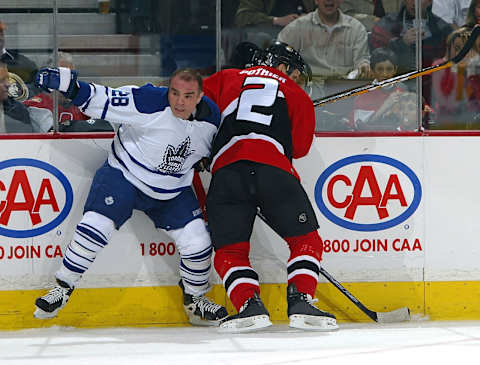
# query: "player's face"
183,97
384,70
4,84
295,75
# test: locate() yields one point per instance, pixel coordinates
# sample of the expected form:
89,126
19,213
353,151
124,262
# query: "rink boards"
398,216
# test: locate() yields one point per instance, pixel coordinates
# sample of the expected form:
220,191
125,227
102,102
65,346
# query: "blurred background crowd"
347,43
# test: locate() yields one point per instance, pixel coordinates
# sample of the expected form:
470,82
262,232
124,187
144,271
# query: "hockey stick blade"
397,315
404,77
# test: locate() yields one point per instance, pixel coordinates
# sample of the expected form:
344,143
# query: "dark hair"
471,19
187,74
381,55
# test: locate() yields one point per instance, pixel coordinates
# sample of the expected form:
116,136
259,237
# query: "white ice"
354,344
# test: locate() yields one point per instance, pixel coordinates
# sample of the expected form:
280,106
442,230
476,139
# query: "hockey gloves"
58,78
202,165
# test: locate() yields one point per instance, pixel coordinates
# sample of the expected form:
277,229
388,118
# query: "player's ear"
283,68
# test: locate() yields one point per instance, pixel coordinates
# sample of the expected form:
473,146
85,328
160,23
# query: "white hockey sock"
91,235
195,271
193,243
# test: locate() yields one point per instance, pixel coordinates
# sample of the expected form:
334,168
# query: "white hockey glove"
58,78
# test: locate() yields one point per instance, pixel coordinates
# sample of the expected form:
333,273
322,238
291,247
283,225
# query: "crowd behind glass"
347,43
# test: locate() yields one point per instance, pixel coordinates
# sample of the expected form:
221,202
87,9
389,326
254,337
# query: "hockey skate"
200,310
49,305
252,316
304,315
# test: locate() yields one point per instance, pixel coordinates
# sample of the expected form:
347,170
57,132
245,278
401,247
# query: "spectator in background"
332,43
19,65
405,113
41,107
368,12
398,31
14,116
449,87
473,14
263,19
369,109
454,12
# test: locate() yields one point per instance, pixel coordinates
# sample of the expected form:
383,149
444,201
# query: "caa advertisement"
43,186
388,208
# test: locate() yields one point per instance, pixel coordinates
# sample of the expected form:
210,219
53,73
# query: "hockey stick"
404,77
398,315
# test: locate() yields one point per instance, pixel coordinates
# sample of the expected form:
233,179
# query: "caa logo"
33,194
368,192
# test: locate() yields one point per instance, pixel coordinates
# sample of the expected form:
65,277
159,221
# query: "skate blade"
197,321
249,324
313,323
41,314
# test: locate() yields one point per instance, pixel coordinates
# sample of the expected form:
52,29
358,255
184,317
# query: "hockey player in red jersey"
267,119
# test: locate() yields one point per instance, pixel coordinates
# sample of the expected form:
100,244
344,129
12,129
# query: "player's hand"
58,78
202,165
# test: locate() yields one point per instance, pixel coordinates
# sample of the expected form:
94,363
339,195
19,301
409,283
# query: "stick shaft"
344,291
373,86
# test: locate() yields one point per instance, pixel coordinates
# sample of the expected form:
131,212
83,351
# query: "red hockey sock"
239,279
304,263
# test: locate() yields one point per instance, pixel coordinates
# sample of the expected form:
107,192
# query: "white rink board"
120,264
434,241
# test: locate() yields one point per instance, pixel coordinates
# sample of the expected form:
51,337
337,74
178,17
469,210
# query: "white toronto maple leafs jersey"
154,149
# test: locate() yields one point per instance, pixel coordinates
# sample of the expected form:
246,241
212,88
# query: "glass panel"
26,33
336,39
454,91
134,42
392,44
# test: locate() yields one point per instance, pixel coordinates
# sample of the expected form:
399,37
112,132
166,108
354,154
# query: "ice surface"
365,343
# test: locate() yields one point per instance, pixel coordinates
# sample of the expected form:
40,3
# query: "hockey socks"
239,279
303,266
195,248
91,235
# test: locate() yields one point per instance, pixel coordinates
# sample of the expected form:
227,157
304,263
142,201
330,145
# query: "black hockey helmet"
278,53
242,55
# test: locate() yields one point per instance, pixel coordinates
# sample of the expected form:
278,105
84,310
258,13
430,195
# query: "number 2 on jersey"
257,97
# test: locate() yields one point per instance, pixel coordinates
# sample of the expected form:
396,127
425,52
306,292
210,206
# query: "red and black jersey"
266,117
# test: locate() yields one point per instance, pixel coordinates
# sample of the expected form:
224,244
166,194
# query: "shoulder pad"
207,111
150,99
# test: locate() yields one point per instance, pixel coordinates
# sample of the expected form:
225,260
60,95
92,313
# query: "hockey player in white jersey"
163,132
